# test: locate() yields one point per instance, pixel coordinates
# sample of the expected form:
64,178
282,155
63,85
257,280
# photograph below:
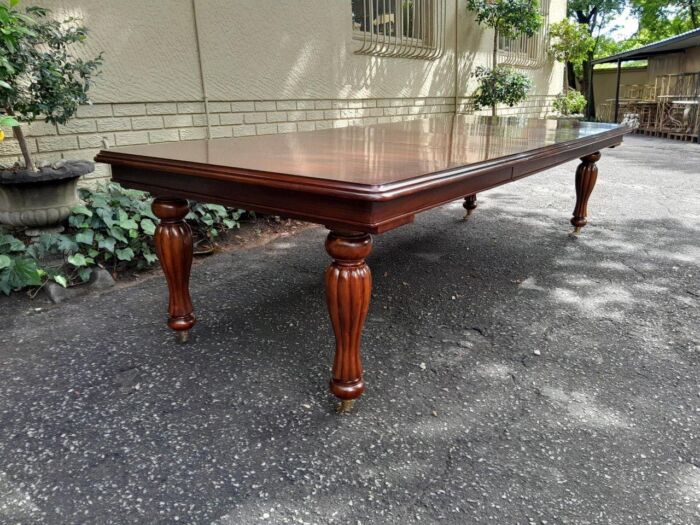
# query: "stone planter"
40,201
566,118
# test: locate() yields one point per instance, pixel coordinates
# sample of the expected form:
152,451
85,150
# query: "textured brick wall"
134,123
536,106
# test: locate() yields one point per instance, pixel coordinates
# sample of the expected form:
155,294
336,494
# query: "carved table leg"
174,248
469,205
586,175
348,288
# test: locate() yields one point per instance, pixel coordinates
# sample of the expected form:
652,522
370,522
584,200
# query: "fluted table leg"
348,289
586,176
469,205
174,247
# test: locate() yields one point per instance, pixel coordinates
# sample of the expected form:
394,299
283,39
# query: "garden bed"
113,229
253,231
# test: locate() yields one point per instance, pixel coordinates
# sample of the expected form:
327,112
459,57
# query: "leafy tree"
39,76
570,44
660,19
510,19
500,85
593,14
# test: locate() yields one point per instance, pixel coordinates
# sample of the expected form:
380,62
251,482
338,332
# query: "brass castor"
182,336
467,215
344,406
576,232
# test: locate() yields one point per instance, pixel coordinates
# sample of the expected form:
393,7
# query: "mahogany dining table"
356,181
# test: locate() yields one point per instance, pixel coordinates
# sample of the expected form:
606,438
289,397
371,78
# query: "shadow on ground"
514,373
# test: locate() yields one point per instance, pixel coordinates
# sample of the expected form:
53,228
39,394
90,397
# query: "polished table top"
366,178
372,155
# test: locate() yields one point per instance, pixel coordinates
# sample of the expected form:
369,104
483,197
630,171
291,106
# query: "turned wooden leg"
174,248
586,175
348,288
469,205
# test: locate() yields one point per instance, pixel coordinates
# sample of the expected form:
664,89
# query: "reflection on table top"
373,154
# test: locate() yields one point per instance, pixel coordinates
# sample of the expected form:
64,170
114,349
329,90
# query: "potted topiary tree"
40,78
508,18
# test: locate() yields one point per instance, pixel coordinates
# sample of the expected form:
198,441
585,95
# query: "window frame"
430,44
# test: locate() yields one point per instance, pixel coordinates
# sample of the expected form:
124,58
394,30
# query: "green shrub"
43,74
113,228
570,103
17,269
208,220
502,85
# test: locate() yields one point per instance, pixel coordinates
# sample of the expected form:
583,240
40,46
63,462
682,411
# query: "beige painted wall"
692,60
666,65
605,80
268,49
149,47
687,61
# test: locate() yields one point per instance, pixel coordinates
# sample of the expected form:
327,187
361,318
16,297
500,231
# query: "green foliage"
594,14
8,122
208,220
39,74
608,46
570,41
570,103
660,19
510,18
501,85
17,270
114,228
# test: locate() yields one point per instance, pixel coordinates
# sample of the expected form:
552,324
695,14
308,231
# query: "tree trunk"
494,62
693,13
588,87
571,75
21,139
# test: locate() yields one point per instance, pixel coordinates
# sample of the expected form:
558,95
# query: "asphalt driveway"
514,374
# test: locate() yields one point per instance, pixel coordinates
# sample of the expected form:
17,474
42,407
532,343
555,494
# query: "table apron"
335,212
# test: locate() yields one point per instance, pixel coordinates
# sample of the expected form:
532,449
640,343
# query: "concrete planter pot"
566,118
40,201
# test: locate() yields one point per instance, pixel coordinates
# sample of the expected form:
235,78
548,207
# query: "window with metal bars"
526,51
400,28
